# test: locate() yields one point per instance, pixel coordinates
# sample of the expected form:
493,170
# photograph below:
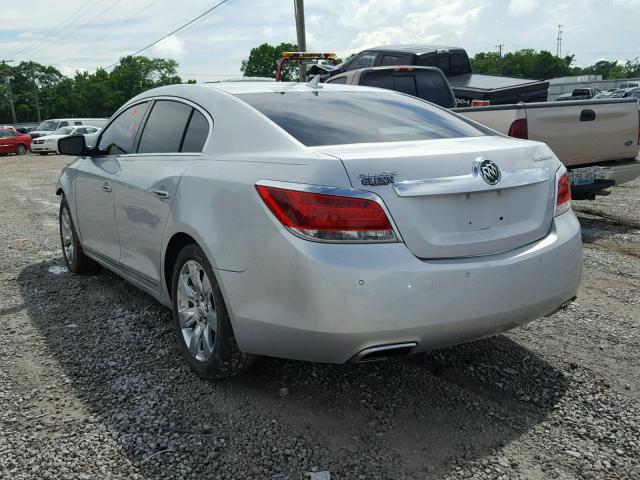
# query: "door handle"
106,186
161,194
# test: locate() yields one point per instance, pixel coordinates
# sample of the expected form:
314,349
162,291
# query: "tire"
74,257
21,150
203,328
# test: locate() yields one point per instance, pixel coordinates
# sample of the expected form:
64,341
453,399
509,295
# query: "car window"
459,63
427,60
5,134
334,118
165,127
364,60
118,137
81,131
63,124
91,130
77,123
197,133
340,80
443,63
395,60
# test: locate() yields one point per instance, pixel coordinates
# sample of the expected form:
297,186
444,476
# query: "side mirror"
73,145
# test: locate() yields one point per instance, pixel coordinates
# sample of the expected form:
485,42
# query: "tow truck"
304,58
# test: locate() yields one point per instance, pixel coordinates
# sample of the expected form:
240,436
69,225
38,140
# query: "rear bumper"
323,302
618,172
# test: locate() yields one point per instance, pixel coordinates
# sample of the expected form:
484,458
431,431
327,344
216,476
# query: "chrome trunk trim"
470,183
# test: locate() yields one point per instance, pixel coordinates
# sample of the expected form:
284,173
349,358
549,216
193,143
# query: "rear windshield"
334,118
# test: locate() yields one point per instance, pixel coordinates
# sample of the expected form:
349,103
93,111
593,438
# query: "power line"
81,26
36,44
152,2
207,12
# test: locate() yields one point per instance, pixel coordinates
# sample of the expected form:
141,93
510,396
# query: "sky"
86,34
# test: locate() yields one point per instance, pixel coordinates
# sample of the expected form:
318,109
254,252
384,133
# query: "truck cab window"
364,60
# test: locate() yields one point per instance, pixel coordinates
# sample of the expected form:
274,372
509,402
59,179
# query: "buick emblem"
490,172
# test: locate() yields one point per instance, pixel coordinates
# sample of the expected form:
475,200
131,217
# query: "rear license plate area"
582,176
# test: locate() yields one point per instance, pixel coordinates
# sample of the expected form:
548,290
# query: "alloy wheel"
197,310
67,235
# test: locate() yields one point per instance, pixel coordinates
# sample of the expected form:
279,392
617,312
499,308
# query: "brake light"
403,69
326,217
519,129
563,192
480,103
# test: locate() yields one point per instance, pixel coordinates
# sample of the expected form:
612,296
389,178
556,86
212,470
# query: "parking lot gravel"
92,385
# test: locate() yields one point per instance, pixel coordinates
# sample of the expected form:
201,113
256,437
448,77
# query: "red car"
14,142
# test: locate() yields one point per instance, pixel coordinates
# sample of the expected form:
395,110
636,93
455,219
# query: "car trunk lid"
439,201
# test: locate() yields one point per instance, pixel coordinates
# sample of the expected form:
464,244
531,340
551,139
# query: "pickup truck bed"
596,139
498,90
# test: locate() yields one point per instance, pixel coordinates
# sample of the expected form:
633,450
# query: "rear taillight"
519,129
480,103
403,69
328,217
563,191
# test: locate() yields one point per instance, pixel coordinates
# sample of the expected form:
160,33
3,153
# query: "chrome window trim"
470,183
149,100
340,191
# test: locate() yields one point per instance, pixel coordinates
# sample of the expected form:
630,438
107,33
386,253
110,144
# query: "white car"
49,143
326,223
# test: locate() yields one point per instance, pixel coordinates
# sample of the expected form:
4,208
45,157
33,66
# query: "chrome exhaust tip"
383,352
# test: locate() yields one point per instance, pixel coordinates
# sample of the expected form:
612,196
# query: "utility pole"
298,6
7,80
499,47
559,42
35,86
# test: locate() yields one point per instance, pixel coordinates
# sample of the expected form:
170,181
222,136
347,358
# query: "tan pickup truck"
597,140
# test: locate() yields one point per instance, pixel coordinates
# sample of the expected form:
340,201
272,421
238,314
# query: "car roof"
416,48
235,88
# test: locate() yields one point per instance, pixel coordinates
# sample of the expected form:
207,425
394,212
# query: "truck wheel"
203,328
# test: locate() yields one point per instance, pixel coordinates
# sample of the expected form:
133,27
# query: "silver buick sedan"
324,223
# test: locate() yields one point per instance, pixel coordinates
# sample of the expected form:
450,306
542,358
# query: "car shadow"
420,416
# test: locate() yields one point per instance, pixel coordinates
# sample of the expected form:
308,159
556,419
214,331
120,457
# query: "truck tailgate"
583,132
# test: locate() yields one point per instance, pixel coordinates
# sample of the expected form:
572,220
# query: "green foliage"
263,62
96,94
527,63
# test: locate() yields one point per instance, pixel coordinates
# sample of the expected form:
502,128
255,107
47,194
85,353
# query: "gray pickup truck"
597,140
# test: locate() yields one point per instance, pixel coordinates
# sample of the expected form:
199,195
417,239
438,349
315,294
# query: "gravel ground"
92,386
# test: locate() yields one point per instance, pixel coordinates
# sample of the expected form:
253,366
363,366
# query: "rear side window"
117,138
459,63
197,133
427,60
165,127
395,60
333,118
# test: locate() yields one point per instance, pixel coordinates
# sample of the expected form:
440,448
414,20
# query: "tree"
96,94
526,63
263,62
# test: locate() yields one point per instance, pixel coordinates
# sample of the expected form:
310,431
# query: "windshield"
334,117
63,131
48,126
